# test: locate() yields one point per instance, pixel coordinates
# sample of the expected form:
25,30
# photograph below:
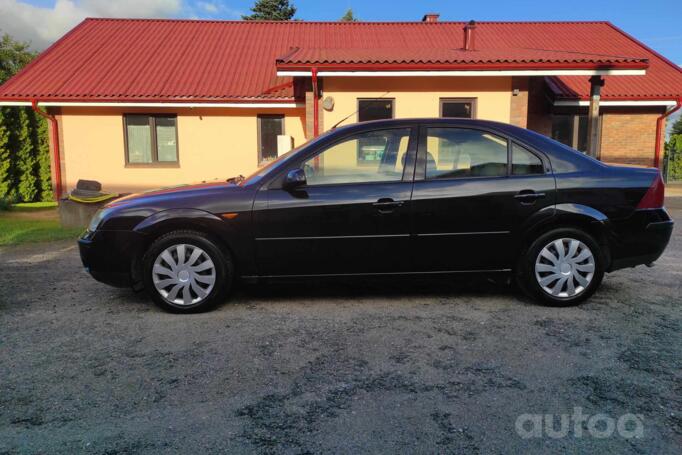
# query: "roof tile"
205,61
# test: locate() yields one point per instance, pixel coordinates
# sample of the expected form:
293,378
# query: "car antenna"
357,111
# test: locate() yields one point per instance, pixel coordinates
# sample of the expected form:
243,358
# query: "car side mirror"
295,179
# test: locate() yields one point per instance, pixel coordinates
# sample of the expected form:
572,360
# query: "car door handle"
387,205
528,196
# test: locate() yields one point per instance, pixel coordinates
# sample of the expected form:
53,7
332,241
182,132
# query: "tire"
190,285
552,280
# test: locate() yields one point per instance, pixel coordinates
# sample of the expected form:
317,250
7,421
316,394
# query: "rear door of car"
352,216
475,191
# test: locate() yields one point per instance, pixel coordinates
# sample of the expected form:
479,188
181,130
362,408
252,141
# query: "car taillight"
653,199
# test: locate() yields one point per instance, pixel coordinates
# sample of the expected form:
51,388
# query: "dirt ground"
404,366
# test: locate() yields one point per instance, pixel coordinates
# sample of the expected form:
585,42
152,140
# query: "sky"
655,22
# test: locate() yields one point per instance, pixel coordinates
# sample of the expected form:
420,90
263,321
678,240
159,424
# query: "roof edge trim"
625,103
129,104
428,73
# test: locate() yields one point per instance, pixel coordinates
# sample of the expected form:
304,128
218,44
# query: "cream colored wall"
219,143
418,96
212,144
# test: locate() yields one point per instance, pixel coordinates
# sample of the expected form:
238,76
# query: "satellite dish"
328,103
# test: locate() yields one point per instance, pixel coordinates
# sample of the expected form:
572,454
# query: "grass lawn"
35,222
25,206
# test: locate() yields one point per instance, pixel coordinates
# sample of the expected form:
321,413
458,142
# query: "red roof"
434,58
138,60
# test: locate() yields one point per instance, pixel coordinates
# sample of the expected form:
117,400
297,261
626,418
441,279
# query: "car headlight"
97,219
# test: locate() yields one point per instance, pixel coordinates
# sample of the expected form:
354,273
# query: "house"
138,104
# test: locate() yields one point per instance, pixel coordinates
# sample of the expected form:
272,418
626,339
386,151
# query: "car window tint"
376,156
461,152
524,162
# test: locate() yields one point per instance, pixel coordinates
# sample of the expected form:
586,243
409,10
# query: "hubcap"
183,274
564,268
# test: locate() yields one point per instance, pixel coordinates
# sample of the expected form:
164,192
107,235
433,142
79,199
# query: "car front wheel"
562,267
186,272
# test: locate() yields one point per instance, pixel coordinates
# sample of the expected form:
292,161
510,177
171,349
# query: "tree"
5,163
673,152
349,16
27,185
43,148
24,151
677,126
14,55
271,10
10,119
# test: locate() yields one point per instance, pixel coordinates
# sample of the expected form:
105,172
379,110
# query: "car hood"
177,194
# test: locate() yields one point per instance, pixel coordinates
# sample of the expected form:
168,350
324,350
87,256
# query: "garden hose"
92,200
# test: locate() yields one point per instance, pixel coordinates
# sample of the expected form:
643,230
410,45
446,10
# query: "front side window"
458,108
461,152
340,164
269,127
151,139
524,162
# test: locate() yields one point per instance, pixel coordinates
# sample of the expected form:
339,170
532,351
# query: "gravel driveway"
365,366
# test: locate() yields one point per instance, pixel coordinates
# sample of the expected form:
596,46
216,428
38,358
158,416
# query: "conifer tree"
5,174
11,121
24,150
349,16
26,162
271,10
43,157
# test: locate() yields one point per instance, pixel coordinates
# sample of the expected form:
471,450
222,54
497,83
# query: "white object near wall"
284,144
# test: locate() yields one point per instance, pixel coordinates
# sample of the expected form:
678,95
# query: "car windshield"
263,171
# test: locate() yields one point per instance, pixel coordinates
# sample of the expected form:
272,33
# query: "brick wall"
309,113
629,137
518,114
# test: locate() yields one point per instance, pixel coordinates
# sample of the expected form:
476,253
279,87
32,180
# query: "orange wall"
219,143
418,96
212,144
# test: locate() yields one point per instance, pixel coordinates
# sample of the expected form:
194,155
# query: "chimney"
430,17
470,36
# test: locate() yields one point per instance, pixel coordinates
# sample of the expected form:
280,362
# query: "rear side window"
461,153
524,162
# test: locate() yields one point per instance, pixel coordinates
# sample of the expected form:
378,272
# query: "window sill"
152,165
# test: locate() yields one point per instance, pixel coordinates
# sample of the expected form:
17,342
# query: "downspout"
55,148
659,132
316,121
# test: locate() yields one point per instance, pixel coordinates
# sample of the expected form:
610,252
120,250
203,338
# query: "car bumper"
111,256
641,239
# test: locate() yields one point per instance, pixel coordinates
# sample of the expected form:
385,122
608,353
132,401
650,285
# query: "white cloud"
43,25
209,7
212,9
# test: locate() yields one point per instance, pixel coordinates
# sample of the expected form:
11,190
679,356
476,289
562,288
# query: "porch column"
593,125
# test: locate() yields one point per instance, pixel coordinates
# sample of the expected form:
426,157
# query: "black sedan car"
390,197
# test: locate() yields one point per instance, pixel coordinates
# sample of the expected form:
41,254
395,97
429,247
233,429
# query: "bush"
5,204
673,157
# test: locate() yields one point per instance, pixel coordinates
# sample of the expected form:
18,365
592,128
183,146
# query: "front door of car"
474,193
351,216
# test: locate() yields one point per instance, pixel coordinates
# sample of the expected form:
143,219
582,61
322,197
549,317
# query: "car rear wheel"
563,267
186,272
